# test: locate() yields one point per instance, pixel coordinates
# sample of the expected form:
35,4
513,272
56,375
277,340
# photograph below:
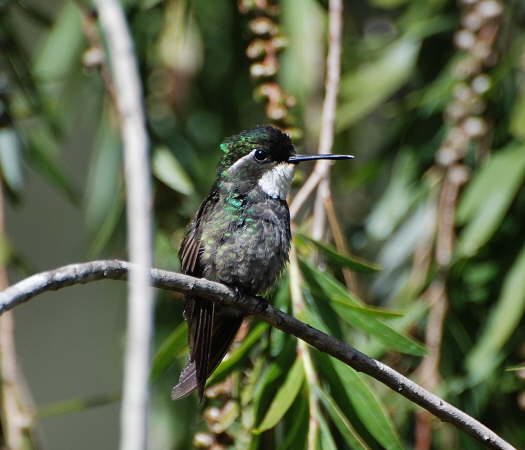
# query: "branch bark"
134,410
118,270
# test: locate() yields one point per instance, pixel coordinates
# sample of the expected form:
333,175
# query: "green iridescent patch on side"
224,147
235,202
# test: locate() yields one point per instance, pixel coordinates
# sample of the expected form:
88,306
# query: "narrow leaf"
341,422
340,260
501,322
169,349
488,197
339,294
284,397
368,407
229,364
326,438
168,170
389,337
364,89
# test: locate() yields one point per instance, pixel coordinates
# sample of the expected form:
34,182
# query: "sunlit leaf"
339,294
170,348
340,260
368,407
363,321
352,439
167,169
500,323
284,398
488,197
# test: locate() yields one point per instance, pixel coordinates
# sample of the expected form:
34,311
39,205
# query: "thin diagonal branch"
138,192
118,270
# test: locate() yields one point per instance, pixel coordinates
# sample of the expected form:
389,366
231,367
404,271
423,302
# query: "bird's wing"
191,244
209,338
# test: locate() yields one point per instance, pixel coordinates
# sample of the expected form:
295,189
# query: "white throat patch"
276,182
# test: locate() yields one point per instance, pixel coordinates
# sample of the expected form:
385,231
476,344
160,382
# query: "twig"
303,352
326,135
17,409
340,244
138,193
118,270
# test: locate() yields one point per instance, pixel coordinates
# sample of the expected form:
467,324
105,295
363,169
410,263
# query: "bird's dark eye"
260,155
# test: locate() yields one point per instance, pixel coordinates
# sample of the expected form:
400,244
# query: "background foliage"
432,104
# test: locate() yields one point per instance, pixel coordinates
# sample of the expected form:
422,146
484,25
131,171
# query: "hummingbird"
240,236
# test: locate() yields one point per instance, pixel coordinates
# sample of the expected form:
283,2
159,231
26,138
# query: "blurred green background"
432,103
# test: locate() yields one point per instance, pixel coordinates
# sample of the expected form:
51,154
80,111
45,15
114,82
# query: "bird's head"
263,156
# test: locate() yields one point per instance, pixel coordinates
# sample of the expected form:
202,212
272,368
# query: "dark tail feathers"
212,329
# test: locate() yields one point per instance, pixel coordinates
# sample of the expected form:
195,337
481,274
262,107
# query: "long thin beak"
299,158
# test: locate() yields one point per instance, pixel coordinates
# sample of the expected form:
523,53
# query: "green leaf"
42,147
348,433
104,176
284,397
501,322
170,348
236,357
339,260
368,407
326,439
397,199
337,293
52,64
488,197
168,170
515,368
364,89
389,337
299,425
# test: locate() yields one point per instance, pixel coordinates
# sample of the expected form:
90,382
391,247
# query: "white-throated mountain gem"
240,237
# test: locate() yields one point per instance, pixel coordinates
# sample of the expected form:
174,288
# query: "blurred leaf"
42,149
167,169
66,35
238,355
284,398
517,117
368,407
170,348
340,260
365,88
397,198
364,322
488,197
388,3
77,404
515,368
104,176
11,159
352,439
501,322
